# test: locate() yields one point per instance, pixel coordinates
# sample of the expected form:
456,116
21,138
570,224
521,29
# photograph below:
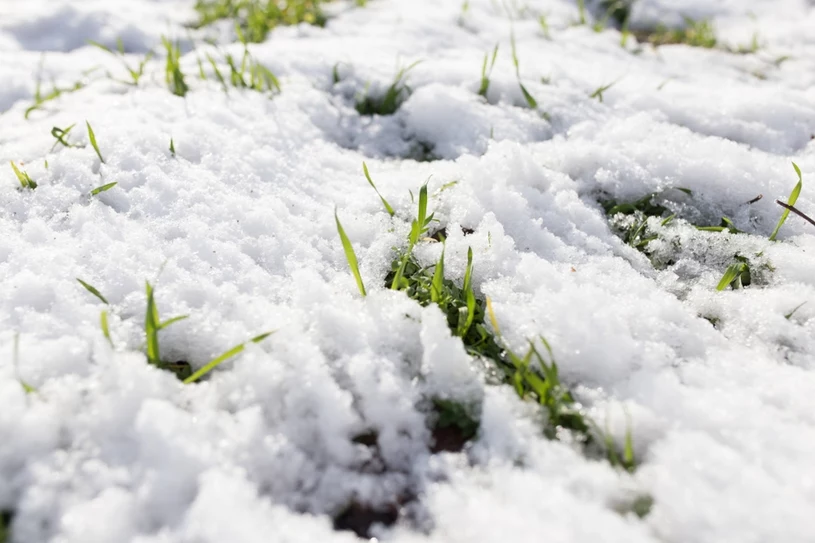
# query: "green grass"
530,100
25,180
220,359
173,75
94,144
385,203
153,325
394,95
486,71
796,191
254,19
103,188
695,33
598,93
60,134
350,255
134,73
737,274
42,98
452,414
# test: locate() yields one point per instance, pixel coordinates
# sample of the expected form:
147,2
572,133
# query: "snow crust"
240,226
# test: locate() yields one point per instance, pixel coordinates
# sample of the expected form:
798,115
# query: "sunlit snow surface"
240,224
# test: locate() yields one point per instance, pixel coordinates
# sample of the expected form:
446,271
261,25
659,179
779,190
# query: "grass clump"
173,75
60,134
246,74
256,18
134,73
394,95
41,98
695,33
153,325
486,71
22,176
631,219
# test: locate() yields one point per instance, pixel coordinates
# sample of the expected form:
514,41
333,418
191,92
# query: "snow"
237,231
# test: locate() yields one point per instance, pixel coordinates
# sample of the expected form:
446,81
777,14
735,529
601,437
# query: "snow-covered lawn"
334,420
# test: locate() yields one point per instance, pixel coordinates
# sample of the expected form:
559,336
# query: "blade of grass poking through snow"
173,75
486,71
789,315
466,315
437,284
732,275
103,188
103,322
25,180
172,147
93,290
385,203
151,324
530,100
234,351
92,137
791,202
60,134
350,255
418,226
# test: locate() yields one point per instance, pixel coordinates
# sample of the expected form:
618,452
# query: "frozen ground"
110,449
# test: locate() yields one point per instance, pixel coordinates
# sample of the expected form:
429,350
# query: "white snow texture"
237,231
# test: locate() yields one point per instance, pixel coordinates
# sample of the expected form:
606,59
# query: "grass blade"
93,290
388,207
437,284
791,201
209,366
350,255
464,324
92,137
168,322
103,321
731,275
103,188
25,180
151,326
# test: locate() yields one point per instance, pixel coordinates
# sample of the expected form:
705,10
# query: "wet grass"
256,18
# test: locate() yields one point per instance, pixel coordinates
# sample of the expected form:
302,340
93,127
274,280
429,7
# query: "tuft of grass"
737,274
796,191
60,134
25,180
385,203
350,255
103,188
598,93
486,71
630,219
94,144
134,73
153,325
419,226
530,100
254,19
217,361
250,74
41,98
695,33
173,75
394,96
